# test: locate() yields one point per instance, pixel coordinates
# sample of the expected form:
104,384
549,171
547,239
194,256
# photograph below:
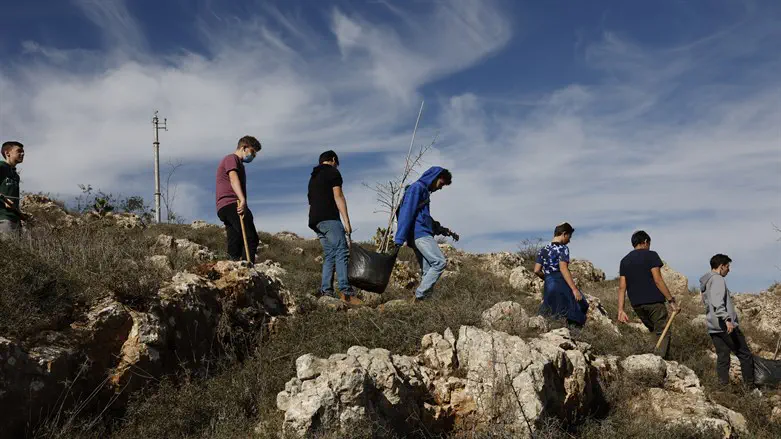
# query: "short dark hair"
249,141
640,237
7,146
718,260
446,176
562,229
328,156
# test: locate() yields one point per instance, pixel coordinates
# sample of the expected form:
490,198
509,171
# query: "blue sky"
612,115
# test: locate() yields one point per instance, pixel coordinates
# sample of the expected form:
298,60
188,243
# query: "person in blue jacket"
417,228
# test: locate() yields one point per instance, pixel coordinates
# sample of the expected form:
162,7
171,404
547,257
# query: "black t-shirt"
322,206
640,285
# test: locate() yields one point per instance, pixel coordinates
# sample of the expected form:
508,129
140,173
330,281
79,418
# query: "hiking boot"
350,300
417,299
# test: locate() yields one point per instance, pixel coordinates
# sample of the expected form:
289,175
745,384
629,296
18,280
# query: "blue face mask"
248,158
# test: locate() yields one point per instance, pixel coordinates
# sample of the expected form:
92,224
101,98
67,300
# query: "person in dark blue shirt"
561,298
641,277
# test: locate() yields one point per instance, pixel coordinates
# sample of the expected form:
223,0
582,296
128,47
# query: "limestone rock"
201,224
438,352
597,315
677,283
160,262
193,250
369,298
501,264
524,280
298,251
762,310
45,209
504,315
287,236
689,409
649,368
347,391
508,381
584,272
511,381
608,368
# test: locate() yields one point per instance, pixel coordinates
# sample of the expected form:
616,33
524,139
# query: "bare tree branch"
169,193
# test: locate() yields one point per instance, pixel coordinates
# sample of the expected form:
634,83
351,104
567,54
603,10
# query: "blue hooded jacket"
415,223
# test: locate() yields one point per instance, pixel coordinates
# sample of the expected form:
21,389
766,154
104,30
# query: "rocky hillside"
113,328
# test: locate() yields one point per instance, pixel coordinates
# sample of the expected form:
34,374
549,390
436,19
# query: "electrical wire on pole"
156,145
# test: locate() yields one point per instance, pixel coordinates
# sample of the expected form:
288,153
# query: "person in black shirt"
641,276
326,205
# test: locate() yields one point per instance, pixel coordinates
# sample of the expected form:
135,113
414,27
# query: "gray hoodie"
718,302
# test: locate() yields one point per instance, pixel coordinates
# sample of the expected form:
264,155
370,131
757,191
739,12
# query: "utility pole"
156,144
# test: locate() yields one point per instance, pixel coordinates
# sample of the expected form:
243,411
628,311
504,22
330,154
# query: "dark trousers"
734,342
654,317
230,217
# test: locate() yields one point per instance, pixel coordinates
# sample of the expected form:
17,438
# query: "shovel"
667,327
244,235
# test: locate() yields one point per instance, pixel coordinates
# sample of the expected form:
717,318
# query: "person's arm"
444,231
656,272
236,186
564,267
341,204
407,212
538,271
717,294
622,317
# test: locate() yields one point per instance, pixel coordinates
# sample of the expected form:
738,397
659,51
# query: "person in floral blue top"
561,298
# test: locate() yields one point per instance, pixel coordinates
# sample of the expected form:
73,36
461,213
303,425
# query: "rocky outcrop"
487,379
505,380
168,245
597,315
114,349
691,410
524,280
287,236
676,282
675,397
45,209
584,272
500,264
763,311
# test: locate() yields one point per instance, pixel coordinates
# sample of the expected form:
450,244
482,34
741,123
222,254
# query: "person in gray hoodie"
722,322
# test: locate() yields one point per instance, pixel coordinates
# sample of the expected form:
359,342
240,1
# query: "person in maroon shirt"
231,194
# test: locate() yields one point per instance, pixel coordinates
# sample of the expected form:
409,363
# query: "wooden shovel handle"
667,327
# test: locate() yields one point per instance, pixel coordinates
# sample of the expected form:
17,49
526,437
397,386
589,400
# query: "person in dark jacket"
561,298
326,205
11,155
417,228
722,321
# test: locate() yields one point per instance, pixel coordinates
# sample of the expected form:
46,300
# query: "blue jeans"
432,264
335,254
